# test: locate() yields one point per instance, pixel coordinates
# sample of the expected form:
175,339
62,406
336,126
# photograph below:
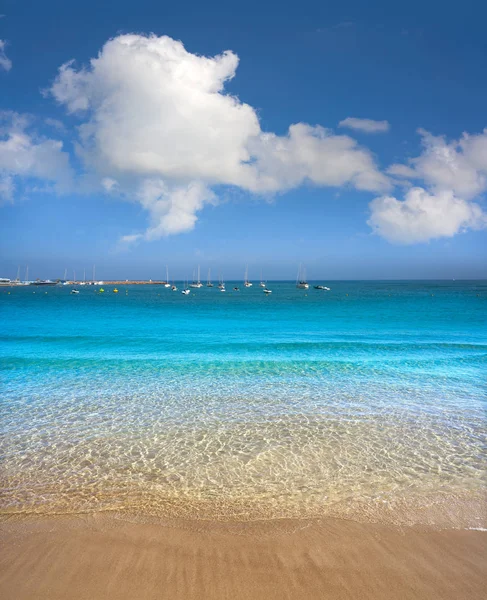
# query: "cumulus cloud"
156,119
457,165
423,216
453,174
26,155
173,209
365,125
5,62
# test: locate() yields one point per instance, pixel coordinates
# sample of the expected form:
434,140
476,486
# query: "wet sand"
95,557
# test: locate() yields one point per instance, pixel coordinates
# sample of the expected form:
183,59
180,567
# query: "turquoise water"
365,402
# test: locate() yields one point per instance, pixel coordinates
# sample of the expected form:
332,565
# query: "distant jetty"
121,282
13,282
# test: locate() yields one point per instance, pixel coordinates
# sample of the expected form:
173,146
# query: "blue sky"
154,154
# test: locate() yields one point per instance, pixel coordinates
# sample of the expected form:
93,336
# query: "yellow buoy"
115,291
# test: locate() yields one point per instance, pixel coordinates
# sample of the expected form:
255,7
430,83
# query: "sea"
363,402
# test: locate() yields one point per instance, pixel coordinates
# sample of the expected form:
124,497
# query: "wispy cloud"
5,62
365,125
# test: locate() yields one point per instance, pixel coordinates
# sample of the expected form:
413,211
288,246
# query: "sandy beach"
89,557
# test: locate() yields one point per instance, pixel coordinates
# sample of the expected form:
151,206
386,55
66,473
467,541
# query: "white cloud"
402,171
55,124
453,174
26,155
7,188
153,112
458,165
311,154
423,216
5,62
109,184
365,125
172,209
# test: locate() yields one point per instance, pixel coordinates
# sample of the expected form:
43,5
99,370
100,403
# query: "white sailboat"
196,283
301,282
167,284
208,283
262,282
221,285
246,281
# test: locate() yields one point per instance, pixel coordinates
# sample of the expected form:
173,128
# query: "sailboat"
186,290
262,282
208,283
301,282
221,285
246,281
167,284
197,283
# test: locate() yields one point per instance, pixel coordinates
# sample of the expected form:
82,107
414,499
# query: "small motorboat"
174,288
266,291
75,291
321,287
186,291
236,289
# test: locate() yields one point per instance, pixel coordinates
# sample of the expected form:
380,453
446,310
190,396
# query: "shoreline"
99,556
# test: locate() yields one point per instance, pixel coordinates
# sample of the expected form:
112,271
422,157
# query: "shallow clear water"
366,402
